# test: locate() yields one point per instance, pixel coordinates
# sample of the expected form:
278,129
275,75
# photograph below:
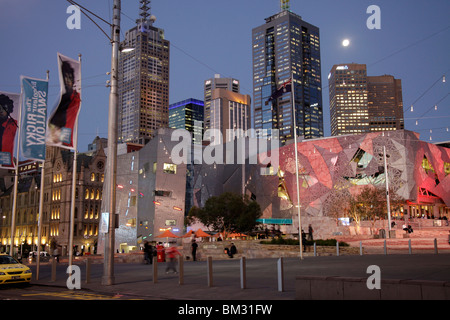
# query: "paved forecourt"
262,276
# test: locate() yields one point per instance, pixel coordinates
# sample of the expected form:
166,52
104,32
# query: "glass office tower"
286,45
188,114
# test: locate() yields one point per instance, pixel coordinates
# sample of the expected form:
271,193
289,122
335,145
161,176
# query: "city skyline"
412,45
361,103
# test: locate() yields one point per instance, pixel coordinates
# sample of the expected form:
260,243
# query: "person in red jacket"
171,254
8,126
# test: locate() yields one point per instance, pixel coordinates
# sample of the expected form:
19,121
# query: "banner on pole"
9,114
61,124
34,118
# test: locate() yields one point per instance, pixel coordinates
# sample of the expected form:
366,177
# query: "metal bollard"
53,270
181,269
337,248
360,248
280,275
209,270
243,274
315,250
88,270
155,269
385,247
409,246
435,246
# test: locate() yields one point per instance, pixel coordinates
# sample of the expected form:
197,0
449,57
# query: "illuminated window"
170,168
131,223
426,165
92,176
447,168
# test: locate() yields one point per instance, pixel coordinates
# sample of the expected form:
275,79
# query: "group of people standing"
171,253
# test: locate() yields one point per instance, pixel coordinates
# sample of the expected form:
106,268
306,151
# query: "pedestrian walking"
310,232
194,247
148,252
233,250
304,240
56,254
171,254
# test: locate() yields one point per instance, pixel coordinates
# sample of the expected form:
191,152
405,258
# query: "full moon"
345,42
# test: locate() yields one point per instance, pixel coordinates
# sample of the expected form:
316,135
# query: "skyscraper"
229,111
143,80
385,101
349,112
361,103
287,46
217,83
188,114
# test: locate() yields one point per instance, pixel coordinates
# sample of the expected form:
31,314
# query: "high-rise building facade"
230,113
286,46
143,80
217,83
361,103
385,101
188,114
349,112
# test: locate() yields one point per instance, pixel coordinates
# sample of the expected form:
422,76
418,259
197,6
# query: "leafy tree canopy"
227,213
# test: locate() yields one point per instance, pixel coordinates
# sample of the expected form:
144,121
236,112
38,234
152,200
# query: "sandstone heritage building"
56,200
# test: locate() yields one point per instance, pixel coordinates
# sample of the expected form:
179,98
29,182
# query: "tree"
371,204
227,213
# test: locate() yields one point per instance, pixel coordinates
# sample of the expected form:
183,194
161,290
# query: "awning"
201,234
187,235
167,234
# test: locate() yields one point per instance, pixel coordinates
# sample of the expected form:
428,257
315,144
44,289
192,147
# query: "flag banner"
33,124
9,113
285,87
61,123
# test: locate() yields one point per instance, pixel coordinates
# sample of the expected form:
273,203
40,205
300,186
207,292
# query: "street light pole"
300,240
108,269
388,203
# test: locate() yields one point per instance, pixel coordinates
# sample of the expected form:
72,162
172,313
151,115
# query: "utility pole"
388,203
108,269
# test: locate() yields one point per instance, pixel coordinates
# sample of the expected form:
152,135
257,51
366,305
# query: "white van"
44,256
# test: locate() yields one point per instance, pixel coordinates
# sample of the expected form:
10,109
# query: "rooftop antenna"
284,5
144,12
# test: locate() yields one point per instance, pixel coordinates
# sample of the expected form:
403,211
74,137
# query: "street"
135,281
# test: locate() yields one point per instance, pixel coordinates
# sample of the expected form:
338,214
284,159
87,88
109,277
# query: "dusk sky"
209,37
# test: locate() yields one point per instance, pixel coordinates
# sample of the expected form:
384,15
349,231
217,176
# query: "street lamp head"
126,49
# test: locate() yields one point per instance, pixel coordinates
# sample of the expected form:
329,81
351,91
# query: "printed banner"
61,124
9,113
34,118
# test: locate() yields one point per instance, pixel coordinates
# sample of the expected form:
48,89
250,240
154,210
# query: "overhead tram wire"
426,91
191,56
411,45
83,9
